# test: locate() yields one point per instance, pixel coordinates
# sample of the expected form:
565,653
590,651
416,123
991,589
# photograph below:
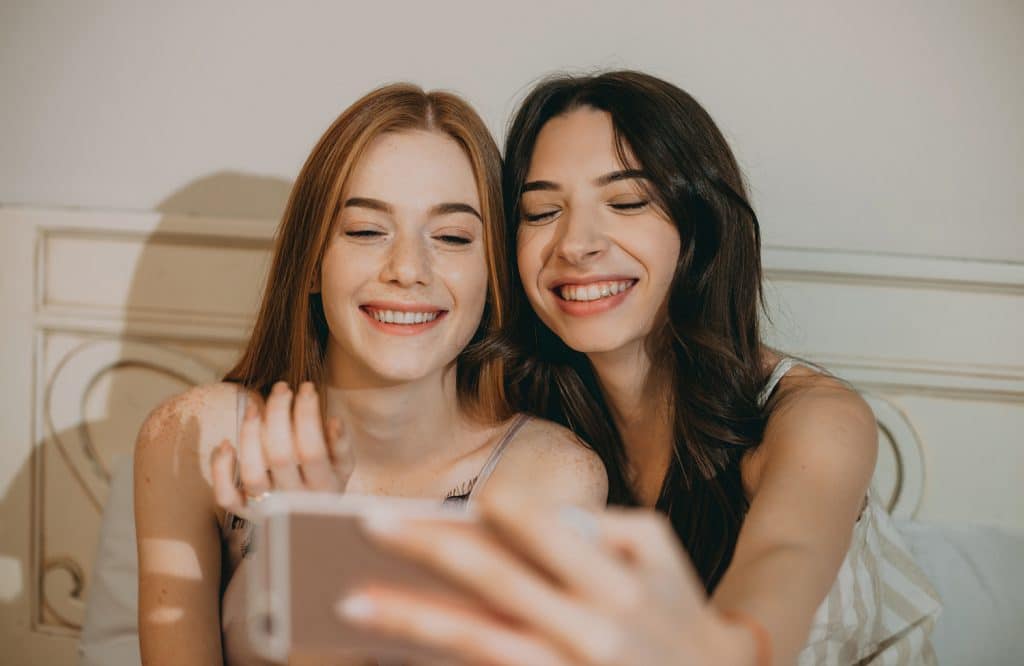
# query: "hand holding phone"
311,550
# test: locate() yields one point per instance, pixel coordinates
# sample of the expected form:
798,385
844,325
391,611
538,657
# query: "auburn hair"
289,338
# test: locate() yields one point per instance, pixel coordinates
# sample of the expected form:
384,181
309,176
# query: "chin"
599,343
398,372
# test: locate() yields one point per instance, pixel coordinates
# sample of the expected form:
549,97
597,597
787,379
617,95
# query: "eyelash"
454,240
632,205
448,239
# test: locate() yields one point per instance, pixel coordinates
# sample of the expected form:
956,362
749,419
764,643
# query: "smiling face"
596,256
404,274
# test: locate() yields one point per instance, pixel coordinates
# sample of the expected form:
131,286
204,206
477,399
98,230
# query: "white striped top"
882,608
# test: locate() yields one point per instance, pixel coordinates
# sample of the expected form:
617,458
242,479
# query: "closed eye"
630,205
539,217
454,240
364,233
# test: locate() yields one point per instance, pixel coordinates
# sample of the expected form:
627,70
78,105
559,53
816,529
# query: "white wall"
872,126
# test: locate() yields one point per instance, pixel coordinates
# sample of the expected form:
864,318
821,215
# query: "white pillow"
110,634
978,572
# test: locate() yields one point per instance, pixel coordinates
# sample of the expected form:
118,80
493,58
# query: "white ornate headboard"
106,314
935,344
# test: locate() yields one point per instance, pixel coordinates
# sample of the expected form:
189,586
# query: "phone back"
309,552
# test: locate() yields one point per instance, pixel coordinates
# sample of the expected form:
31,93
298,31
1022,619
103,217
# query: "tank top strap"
241,400
492,460
240,405
784,365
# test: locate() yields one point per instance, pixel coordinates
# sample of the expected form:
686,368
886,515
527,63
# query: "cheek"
338,273
466,277
661,253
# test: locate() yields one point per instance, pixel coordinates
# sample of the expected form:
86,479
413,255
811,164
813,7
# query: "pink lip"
588,279
401,307
401,329
588,308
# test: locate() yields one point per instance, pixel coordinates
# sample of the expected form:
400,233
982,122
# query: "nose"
408,262
579,240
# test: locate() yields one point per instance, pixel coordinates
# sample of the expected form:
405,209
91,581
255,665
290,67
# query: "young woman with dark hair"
639,256
388,274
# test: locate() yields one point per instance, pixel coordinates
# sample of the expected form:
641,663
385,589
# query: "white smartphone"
309,551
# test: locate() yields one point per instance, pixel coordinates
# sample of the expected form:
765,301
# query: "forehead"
413,166
580,143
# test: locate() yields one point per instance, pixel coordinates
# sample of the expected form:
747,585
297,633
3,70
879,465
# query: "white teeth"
399,317
595,291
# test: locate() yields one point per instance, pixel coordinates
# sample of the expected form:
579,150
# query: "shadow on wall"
230,194
115,381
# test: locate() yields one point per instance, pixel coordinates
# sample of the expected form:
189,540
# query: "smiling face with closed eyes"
404,275
596,256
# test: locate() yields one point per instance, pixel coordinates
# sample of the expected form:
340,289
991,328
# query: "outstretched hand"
565,588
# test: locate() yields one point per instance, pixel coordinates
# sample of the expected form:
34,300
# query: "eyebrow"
601,181
448,208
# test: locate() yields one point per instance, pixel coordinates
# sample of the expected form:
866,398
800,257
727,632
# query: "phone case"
309,550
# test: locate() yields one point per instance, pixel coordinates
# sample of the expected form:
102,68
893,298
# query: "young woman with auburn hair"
367,370
639,257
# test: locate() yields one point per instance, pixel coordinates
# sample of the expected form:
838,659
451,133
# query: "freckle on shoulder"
206,404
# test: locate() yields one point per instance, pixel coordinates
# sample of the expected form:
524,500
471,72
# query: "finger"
477,562
310,447
252,466
552,540
644,537
222,470
461,634
278,448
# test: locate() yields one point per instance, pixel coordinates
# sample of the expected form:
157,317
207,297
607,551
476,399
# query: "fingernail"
355,607
280,387
382,523
307,388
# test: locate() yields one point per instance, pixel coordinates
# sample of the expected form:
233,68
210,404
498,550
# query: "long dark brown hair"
709,343
289,339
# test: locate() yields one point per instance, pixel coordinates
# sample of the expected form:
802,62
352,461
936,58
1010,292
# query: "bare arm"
176,525
815,465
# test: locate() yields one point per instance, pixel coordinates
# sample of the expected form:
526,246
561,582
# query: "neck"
395,425
637,399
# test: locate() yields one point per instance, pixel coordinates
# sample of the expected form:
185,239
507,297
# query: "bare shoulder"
821,424
550,461
188,426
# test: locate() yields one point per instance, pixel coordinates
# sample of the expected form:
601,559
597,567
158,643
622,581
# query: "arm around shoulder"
813,469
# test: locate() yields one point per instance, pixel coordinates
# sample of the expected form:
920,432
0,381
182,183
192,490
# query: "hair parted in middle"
707,345
289,339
